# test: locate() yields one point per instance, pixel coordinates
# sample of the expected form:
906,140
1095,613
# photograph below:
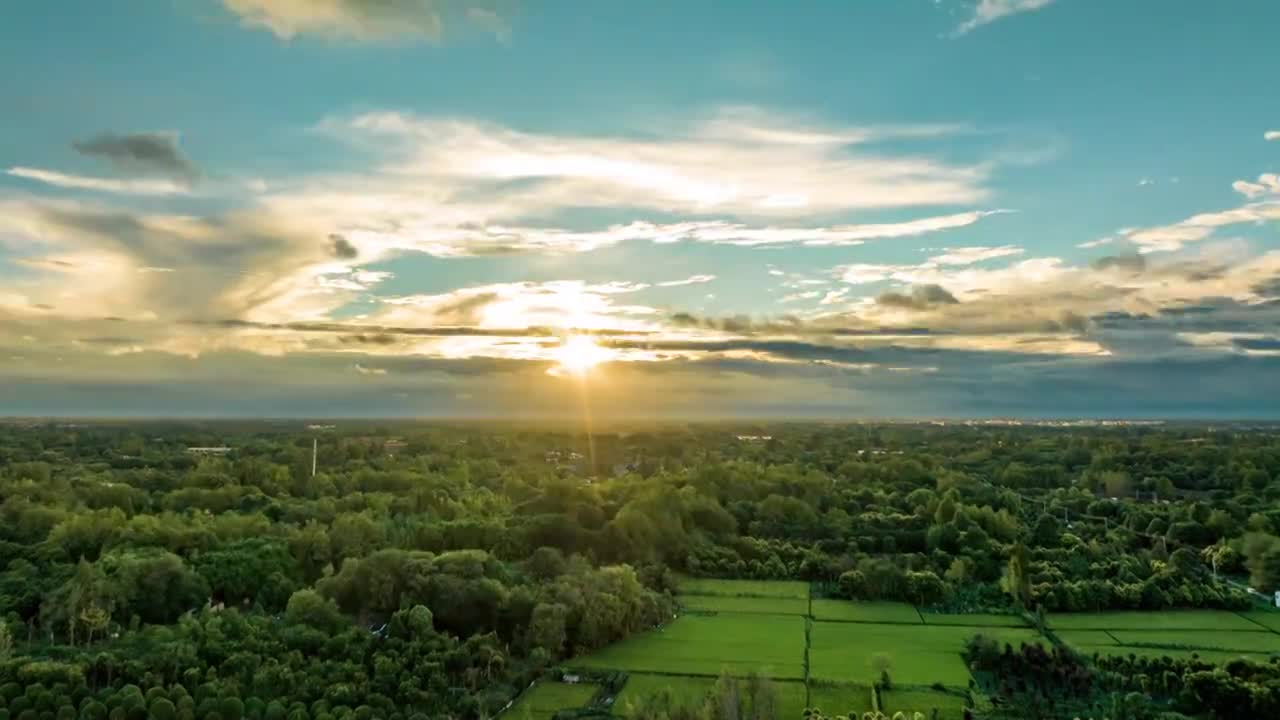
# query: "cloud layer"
295,286
364,19
989,11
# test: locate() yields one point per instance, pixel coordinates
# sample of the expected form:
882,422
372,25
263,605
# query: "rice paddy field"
1269,619
847,652
730,603
973,620
868,612
1156,620
826,653
548,697
851,700
923,702
682,687
744,588
772,645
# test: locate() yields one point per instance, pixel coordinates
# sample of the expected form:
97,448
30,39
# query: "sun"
577,354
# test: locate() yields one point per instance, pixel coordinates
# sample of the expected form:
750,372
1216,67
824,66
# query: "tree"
1262,557
1017,580
1047,531
881,663
547,627
1117,484
6,641
310,608
163,709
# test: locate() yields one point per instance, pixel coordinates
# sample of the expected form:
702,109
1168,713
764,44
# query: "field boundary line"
1268,628
808,634
886,623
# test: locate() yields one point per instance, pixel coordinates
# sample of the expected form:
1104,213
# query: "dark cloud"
1133,263
108,340
140,154
1268,288
384,334
922,297
342,247
1270,344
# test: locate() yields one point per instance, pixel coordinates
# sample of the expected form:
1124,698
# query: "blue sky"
881,207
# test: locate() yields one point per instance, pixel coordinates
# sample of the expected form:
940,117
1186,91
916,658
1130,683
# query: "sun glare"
577,354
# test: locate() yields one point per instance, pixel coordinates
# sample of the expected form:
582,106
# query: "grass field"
791,694
734,604
1162,620
923,702
872,612
546,698
1213,656
683,689
744,588
920,655
1082,638
851,700
1267,618
973,619
1261,641
704,645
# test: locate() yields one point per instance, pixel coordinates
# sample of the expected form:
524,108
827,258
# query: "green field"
744,588
871,612
1159,620
707,644
1261,641
851,700
687,690
1081,638
920,655
973,619
683,689
734,604
1266,618
923,702
1212,656
791,700
548,697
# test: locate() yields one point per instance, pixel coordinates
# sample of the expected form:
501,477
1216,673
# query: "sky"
509,208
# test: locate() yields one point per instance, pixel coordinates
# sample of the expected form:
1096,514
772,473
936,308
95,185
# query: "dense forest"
207,571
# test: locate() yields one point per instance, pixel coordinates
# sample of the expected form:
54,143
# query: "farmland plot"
705,645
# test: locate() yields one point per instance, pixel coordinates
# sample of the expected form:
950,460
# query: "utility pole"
315,442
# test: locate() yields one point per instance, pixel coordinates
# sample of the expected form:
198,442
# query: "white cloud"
364,20
1268,184
1272,135
738,162
971,255
1146,181
691,280
989,11
369,370
795,297
1096,243
136,186
1168,238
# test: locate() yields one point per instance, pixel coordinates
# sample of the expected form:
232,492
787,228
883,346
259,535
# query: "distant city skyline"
702,210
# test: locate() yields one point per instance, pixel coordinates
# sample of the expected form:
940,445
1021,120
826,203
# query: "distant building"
209,450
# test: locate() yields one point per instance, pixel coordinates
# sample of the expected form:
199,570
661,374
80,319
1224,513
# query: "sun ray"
578,354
